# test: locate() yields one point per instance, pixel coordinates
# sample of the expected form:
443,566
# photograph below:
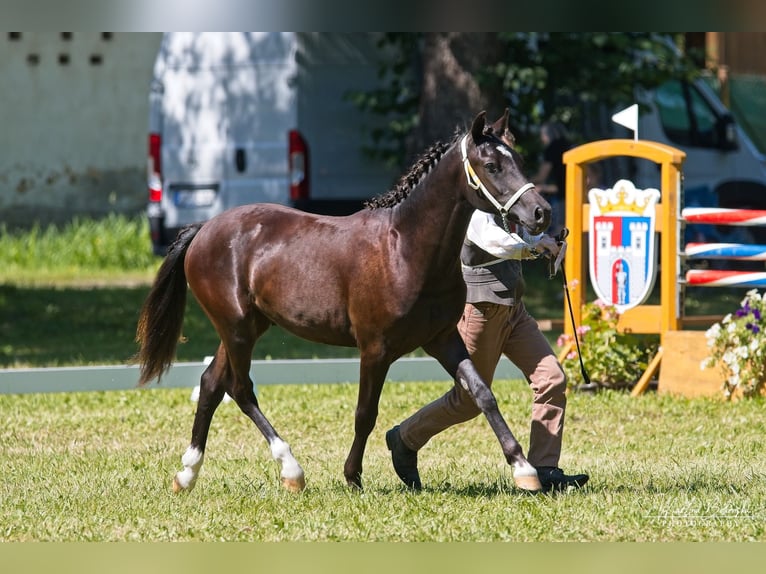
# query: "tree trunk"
452,94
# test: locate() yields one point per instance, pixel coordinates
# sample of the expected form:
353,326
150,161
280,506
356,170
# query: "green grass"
97,467
84,251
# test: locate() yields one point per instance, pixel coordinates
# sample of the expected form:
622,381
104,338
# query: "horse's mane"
414,176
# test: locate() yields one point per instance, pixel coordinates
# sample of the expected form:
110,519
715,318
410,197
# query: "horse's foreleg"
524,474
450,351
372,374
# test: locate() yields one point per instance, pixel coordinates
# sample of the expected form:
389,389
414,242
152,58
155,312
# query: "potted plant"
738,347
612,358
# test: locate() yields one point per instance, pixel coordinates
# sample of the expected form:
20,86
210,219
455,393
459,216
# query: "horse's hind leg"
210,396
241,390
218,379
291,474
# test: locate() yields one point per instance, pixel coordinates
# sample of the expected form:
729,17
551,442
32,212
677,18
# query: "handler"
495,321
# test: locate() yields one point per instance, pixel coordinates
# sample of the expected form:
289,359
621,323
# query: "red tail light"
154,168
298,162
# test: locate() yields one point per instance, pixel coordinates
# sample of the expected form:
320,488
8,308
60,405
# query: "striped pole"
723,278
738,251
722,216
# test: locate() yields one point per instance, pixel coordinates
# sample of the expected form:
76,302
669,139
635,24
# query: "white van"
721,160
248,117
723,167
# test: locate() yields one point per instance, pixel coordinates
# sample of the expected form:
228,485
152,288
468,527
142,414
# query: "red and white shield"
623,255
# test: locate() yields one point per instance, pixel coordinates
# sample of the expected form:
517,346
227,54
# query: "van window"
686,117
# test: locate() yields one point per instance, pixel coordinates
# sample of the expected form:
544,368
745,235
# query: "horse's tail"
162,315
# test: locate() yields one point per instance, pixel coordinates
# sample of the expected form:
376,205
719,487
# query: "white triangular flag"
628,118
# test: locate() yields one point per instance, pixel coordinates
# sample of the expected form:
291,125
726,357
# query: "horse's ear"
500,127
477,129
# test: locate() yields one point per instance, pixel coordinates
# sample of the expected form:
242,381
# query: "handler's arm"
487,235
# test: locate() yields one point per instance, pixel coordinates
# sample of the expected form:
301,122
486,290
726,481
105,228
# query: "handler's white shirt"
490,237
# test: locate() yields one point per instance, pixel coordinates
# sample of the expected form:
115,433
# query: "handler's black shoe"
404,458
553,479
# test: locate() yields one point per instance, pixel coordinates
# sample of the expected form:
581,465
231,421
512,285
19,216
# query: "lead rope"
586,379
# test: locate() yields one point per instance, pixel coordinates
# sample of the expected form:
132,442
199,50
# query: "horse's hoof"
177,486
294,484
530,483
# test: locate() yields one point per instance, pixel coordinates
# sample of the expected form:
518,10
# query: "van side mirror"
726,133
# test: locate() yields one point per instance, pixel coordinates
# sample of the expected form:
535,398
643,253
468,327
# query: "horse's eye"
491,167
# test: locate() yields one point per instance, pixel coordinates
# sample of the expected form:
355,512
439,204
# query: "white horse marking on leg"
291,472
192,461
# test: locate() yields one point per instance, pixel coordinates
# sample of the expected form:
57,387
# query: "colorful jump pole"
723,278
723,216
737,251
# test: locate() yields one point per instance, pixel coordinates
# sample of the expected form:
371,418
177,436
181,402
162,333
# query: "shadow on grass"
60,326
49,326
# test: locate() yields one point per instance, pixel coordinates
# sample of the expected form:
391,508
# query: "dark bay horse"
386,279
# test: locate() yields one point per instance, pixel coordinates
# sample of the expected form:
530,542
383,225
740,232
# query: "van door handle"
240,160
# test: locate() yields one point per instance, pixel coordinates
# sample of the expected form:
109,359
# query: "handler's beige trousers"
489,329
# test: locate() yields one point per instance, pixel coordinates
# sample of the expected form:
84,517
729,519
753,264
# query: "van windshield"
687,119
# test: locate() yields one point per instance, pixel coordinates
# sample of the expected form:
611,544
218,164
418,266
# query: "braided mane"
418,171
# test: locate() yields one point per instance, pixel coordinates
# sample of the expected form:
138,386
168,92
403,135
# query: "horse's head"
493,169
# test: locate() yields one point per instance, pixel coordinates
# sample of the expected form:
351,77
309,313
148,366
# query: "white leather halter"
475,183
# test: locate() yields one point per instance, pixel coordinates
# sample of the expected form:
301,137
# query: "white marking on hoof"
192,461
291,472
525,477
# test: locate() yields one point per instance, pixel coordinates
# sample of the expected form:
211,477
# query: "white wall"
73,128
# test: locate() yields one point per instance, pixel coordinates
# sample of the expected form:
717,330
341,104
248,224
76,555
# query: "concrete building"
74,109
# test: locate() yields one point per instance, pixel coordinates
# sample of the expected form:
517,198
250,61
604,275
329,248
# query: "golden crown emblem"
621,202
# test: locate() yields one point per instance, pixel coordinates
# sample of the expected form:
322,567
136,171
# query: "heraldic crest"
623,257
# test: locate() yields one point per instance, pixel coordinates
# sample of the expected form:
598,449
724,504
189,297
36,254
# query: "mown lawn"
97,467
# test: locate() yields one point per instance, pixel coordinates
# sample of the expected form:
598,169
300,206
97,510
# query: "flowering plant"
612,359
738,346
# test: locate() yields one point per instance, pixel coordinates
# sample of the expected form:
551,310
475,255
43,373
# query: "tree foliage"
579,78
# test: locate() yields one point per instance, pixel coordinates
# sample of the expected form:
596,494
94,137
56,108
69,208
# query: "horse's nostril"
539,214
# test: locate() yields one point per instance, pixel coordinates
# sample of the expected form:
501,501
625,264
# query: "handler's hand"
547,246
